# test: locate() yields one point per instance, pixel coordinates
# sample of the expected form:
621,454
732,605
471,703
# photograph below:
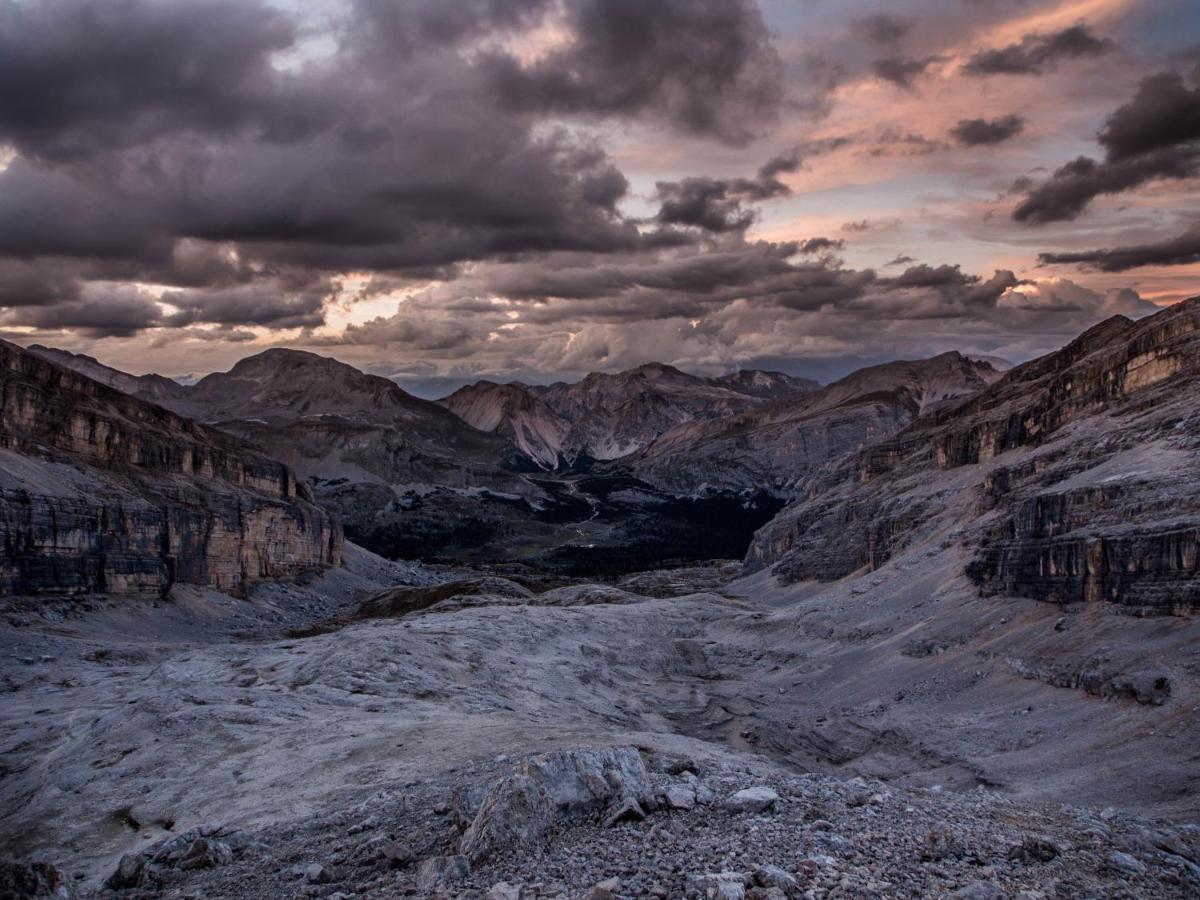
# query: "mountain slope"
155,388
773,446
613,415
513,412
103,492
765,385
606,416
1070,479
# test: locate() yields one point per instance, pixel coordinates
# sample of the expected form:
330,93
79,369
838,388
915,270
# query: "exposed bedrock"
102,492
1072,479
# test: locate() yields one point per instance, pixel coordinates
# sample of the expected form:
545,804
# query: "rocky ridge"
773,447
103,492
515,413
606,416
1070,478
612,415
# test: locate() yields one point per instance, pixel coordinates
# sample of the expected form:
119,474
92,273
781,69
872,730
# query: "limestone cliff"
103,492
1071,479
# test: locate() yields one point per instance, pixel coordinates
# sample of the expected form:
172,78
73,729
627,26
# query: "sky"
446,190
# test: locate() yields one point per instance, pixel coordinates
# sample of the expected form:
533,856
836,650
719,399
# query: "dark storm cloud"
881,28
705,66
821,244
707,203
1156,135
166,143
1163,113
716,204
902,71
390,27
267,304
1037,52
954,285
90,75
101,311
985,132
1176,251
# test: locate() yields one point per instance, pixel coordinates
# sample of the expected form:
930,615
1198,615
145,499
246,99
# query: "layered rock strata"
103,492
1072,479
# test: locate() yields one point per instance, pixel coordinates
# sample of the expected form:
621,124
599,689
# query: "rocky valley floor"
300,744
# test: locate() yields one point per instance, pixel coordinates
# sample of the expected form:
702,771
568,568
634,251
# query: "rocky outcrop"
774,447
519,810
612,415
512,411
1072,478
103,492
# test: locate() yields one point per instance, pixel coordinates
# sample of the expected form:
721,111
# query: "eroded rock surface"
101,492
1072,476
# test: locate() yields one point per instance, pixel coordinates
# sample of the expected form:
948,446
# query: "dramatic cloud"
1173,252
984,132
1037,52
716,204
902,71
881,28
484,186
705,66
85,77
1154,136
101,311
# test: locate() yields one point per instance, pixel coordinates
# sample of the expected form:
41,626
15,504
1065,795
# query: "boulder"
605,890
519,809
517,812
751,800
768,876
680,796
718,886
439,874
502,890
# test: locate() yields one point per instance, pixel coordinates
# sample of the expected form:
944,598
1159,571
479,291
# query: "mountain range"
562,474
974,591
607,416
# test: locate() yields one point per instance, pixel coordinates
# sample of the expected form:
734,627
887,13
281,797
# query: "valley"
967,611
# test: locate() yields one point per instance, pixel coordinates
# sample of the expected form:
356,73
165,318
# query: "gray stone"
316,873
718,885
519,809
979,890
680,796
439,874
752,800
605,890
502,890
770,876
1124,862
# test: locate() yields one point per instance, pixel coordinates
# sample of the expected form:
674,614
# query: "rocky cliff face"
614,415
102,492
776,445
1071,479
511,411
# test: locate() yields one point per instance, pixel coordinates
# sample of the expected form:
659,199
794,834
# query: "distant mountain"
516,413
771,446
102,492
765,385
353,424
155,388
1072,479
606,416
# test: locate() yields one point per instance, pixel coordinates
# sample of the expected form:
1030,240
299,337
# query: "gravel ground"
822,837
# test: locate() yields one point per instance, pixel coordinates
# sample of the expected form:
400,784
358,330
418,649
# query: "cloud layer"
504,186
